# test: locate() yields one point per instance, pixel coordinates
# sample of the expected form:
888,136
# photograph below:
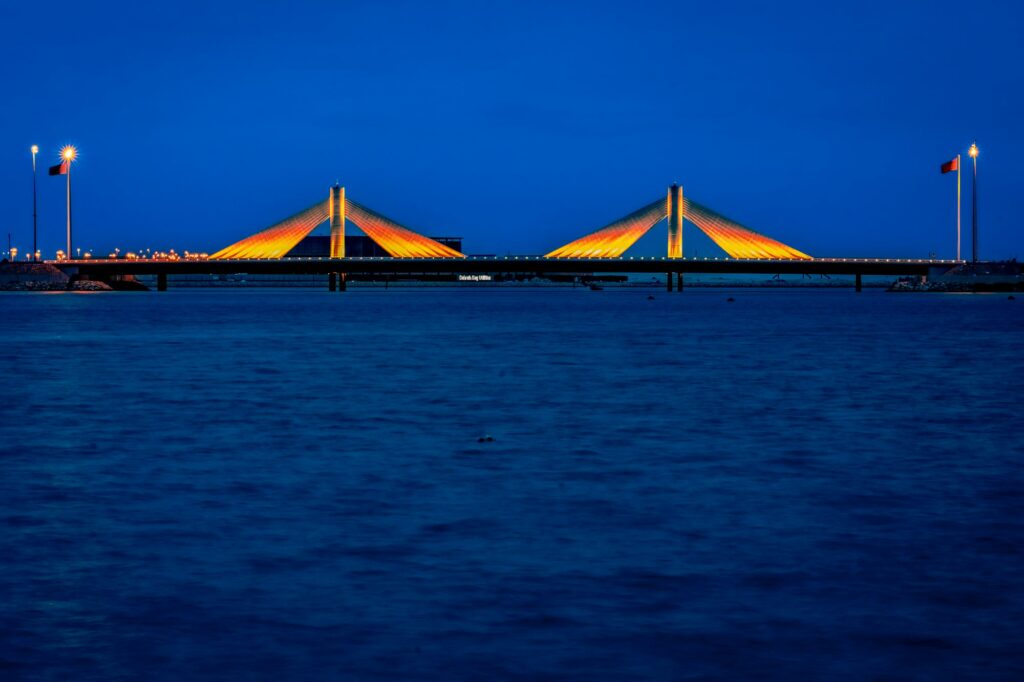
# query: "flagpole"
69,256
35,247
67,155
973,151
958,207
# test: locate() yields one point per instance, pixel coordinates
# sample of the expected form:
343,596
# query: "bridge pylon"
675,211
336,211
735,239
278,240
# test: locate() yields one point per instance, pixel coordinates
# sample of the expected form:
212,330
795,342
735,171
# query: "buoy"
730,300
485,439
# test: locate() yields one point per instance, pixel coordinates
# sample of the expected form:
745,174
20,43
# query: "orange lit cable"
612,240
398,241
278,239
737,240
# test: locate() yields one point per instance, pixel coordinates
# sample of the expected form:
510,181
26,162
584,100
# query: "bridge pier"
679,281
336,211
337,281
675,222
858,286
668,280
161,281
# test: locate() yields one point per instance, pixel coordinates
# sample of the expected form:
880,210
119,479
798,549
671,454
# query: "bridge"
600,251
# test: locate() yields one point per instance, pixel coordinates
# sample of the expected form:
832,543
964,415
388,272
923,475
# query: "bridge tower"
336,211
676,212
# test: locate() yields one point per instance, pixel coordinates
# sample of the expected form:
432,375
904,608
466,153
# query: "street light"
35,247
973,153
68,154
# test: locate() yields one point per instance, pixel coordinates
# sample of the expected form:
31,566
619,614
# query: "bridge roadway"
105,268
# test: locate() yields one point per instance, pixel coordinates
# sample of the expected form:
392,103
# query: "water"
290,485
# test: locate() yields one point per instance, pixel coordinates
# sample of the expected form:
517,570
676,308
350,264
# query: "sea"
511,484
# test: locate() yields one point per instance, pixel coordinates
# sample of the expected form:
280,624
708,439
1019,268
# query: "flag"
947,167
62,169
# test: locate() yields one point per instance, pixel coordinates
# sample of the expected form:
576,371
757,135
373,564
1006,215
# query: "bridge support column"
668,281
858,285
679,281
336,211
332,281
342,281
161,281
675,221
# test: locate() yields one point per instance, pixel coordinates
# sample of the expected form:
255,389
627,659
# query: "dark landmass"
999,276
43,277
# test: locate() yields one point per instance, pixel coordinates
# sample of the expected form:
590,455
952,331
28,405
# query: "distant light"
68,153
35,149
973,151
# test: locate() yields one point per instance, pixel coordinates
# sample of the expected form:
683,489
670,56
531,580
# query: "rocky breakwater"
42,277
980,277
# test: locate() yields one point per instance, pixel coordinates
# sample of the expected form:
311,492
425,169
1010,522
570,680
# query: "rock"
31,277
127,285
88,285
33,286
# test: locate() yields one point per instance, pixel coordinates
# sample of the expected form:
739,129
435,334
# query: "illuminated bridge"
611,241
601,251
278,239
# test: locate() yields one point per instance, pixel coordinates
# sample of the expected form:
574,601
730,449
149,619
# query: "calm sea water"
290,485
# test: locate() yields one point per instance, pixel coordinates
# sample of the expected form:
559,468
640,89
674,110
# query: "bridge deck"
508,264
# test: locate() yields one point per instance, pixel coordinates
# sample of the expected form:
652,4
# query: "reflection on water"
291,484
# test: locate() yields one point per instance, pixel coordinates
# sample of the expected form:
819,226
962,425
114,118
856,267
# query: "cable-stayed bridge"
600,251
611,241
278,239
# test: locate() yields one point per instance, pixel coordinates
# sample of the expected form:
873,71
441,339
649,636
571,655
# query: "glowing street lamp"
68,154
973,153
35,246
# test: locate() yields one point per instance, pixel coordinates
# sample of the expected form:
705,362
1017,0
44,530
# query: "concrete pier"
675,222
336,212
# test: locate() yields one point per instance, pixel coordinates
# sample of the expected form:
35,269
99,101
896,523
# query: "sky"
518,126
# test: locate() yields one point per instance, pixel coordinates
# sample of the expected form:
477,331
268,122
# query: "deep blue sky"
517,125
